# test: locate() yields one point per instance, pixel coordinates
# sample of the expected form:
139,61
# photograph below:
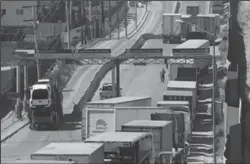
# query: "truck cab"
171,157
43,104
125,147
106,91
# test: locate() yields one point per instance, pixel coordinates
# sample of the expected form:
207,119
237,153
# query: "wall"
11,18
76,32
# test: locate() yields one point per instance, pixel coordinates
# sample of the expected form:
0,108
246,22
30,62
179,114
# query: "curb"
143,20
14,132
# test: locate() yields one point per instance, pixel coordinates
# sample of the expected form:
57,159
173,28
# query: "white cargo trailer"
99,120
170,28
185,86
161,130
80,152
125,147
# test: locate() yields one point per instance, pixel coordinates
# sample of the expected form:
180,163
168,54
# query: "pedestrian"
18,109
162,74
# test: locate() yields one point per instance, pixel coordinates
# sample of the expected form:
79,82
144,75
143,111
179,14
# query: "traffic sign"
13,95
191,50
144,52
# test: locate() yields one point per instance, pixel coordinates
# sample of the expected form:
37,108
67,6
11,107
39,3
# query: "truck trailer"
171,28
125,147
89,153
181,130
191,47
161,130
174,86
107,119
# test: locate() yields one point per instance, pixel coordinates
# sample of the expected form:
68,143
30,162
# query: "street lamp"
214,79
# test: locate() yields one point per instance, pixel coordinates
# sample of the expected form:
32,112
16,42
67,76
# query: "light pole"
214,81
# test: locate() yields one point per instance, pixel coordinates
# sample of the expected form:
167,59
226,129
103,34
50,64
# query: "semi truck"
125,147
99,120
89,153
171,28
191,47
45,104
161,131
174,86
209,23
99,115
181,130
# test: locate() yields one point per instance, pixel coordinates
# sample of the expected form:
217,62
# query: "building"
14,15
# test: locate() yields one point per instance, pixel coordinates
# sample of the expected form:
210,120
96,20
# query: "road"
142,80
22,144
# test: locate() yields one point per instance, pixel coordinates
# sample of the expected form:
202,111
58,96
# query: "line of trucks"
178,28
131,130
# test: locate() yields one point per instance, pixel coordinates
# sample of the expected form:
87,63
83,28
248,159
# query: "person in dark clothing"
162,75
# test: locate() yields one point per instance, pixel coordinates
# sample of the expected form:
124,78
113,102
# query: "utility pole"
84,20
90,19
103,19
136,15
118,19
109,15
67,21
35,22
126,19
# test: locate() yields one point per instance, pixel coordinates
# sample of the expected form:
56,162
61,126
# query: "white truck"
176,86
181,131
190,47
89,153
110,104
171,28
111,119
125,147
30,161
209,23
161,130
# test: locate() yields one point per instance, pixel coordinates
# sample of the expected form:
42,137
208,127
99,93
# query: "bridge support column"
117,63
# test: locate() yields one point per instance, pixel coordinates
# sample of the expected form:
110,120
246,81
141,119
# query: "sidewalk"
11,125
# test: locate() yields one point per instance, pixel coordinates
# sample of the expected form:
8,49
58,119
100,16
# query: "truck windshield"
107,88
40,94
